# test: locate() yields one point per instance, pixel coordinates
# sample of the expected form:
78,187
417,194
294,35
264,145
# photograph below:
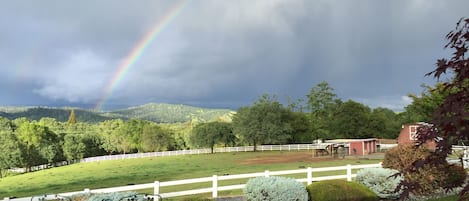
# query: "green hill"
60,114
171,113
157,112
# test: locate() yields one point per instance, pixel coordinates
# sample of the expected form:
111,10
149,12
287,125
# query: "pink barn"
358,147
408,135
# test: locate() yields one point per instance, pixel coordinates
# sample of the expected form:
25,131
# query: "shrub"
117,196
402,156
340,190
78,197
429,178
456,176
381,181
275,188
189,199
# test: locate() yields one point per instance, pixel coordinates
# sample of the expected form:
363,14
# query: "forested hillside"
171,113
60,114
157,112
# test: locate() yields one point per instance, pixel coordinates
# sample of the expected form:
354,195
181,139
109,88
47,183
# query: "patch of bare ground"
288,157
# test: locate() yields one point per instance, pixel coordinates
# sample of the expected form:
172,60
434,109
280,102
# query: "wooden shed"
408,135
358,147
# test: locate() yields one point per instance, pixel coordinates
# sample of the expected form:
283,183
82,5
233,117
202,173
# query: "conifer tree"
72,119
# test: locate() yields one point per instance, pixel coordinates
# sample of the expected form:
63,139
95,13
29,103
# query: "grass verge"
147,170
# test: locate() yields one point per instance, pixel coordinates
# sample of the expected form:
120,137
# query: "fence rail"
215,178
289,147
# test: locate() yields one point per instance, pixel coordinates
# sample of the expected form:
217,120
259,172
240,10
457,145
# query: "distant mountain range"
157,112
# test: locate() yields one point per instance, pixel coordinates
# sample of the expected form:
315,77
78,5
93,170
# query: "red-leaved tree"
450,122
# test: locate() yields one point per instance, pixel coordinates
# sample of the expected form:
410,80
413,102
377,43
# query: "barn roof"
351,140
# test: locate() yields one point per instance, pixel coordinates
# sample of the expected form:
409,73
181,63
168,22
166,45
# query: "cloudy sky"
222,54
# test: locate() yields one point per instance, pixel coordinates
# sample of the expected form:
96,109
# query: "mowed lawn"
147,170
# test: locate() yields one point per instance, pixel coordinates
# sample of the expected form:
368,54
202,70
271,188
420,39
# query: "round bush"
275,189
340,190
402,156
382,181
117,196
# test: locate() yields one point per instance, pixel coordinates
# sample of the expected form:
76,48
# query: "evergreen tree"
72,119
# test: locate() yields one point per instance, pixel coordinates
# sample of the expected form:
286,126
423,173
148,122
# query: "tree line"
26,143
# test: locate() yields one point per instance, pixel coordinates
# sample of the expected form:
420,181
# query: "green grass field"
137,171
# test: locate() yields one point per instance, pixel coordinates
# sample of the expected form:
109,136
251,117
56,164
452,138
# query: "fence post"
156,189
309,174
349,172
267,173
215,186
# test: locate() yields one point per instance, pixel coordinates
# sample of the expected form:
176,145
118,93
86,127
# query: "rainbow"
137,52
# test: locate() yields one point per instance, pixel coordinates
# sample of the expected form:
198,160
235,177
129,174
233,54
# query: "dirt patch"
284,158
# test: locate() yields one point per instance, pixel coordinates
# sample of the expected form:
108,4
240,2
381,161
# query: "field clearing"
147,170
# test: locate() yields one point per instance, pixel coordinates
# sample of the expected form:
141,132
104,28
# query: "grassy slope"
135,171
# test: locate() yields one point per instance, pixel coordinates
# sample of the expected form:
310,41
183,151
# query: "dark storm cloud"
223,53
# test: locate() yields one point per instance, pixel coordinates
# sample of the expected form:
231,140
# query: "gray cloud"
221,53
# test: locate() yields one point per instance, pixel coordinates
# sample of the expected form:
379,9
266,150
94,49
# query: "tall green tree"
130,135
322,103
9,151
384,123
351,121
423,106
73,148
156,138
91,136
38,144
300,125
263,122
227,136
109,135
212,133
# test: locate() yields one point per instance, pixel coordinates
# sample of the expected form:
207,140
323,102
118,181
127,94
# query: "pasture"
103,174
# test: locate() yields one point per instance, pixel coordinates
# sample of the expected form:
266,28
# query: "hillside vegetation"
157,112
170,113
60,114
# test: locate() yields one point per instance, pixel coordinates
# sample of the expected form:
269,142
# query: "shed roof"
351,140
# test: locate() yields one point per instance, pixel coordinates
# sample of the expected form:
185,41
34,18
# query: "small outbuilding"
408,135
357,147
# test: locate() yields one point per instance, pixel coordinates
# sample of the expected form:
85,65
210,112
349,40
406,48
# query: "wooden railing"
288,147
215,188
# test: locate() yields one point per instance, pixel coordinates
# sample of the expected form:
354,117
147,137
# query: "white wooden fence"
215,178
289,147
